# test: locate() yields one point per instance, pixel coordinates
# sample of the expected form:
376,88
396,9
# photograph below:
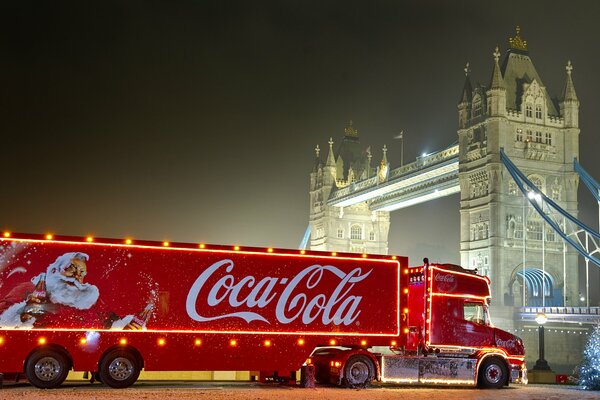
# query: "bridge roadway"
430,177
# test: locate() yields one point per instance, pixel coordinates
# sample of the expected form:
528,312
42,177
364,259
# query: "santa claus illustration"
60,298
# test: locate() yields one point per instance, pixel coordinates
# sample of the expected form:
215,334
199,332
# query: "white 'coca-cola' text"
338,307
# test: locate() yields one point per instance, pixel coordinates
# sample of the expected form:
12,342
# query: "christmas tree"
589,373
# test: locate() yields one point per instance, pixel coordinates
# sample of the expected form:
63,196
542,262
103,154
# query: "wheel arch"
347,354
50,346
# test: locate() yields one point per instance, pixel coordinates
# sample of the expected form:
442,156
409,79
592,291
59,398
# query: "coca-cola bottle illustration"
35,306
139,321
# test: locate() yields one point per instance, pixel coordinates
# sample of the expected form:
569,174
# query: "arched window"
538,182
528,111
356,232
538,112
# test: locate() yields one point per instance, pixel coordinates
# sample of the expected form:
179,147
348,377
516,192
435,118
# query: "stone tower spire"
497,89
330,157
569,105
464,104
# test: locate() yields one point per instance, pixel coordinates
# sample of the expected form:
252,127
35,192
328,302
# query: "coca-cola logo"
447,278
293,302
507,344
445,282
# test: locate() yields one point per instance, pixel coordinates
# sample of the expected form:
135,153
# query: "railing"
568,315
422,163
561,310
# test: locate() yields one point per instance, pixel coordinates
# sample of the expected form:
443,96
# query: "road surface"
255,391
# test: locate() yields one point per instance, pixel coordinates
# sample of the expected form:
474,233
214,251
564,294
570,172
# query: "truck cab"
450,337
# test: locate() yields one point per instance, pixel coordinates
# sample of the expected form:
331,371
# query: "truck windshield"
475,312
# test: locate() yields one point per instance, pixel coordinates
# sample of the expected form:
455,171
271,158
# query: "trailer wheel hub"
47,368
120,368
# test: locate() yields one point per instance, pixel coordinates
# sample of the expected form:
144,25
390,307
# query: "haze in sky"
197,120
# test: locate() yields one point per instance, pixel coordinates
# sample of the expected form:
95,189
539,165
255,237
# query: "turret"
464,104
569,106
497,90
330,169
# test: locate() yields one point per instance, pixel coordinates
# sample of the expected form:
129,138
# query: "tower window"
534,230
477,109
340,233
371,235
528,111
529,135
519,227
519,135
538,137
538,112
356,232
548,138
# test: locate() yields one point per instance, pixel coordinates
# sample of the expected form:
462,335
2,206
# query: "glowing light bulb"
49,237
166,244
89,239
128,241
6,234
197,342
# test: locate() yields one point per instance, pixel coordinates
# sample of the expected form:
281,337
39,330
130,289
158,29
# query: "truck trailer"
113,307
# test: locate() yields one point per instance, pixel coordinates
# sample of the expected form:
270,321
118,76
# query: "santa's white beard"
78,295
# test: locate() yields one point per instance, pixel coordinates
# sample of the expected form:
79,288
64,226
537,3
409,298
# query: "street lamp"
541,364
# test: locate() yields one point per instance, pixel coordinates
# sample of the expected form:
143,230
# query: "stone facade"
500,233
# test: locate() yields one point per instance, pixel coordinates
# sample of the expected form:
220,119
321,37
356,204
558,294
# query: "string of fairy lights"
562,331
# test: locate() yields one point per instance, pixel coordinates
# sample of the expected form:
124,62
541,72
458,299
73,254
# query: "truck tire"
492,373
359,371
119,369
47,368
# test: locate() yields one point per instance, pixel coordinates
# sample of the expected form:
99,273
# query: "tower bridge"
502,235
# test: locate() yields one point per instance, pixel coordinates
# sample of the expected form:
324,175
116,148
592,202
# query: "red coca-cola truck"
114,307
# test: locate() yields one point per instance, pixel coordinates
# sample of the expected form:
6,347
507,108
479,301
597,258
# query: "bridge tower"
501,235
354,228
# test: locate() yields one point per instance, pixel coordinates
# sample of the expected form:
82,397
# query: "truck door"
475,327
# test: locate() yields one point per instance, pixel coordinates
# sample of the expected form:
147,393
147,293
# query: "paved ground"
251,391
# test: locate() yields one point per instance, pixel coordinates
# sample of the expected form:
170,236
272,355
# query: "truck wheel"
119,369
492,373
47,369
359,371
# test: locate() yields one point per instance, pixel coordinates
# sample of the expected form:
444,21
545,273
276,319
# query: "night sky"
197,120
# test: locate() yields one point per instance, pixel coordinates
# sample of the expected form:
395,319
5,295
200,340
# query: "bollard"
307,376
